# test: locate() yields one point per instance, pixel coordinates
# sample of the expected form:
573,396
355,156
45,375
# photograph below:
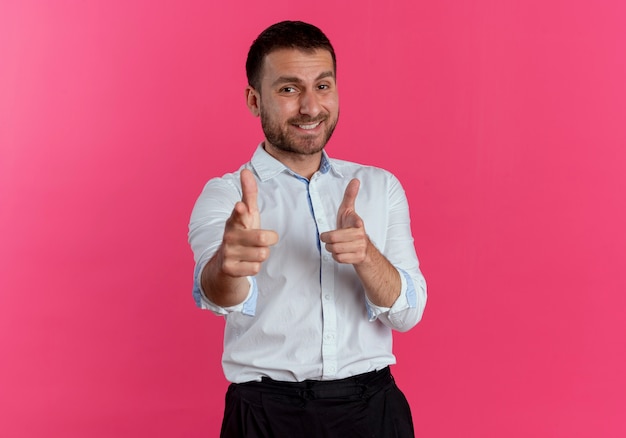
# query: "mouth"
309,126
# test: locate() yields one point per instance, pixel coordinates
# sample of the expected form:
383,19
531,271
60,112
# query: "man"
310,260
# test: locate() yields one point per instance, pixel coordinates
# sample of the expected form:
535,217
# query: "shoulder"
350,169
376,183
228,182
225,189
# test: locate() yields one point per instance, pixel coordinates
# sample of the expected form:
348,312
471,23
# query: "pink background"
505,121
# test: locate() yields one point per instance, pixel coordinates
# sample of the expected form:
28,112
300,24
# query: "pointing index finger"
349,197
249,190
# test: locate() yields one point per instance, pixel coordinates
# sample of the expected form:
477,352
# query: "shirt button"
321,220
327,296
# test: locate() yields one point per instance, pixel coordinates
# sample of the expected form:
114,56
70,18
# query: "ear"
253,100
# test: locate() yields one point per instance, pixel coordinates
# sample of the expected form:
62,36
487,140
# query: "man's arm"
243,249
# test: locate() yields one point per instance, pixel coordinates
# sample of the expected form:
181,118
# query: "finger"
347,252
265,238
250,238
242,269
252,254
342,235
249,190
240,217
349,196
352,220
245,250
345,247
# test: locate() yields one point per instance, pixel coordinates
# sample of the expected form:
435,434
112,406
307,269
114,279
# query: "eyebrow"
296,80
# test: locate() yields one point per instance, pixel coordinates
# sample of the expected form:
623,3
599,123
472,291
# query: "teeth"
312,126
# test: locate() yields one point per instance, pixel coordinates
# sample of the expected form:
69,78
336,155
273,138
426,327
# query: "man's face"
298,103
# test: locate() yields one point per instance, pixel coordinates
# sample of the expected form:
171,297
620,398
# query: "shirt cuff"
407,299
247,307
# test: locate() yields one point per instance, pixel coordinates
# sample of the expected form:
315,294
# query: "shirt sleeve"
399,249
206,230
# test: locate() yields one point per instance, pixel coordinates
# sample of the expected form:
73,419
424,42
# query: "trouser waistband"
359,385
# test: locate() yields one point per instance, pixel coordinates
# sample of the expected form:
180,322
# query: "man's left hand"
349,242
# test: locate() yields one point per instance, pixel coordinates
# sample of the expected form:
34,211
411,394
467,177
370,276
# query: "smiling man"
309,259
308,105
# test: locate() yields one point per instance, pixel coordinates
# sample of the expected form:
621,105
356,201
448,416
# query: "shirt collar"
267,167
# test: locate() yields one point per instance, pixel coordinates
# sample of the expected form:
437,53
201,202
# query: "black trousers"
368,405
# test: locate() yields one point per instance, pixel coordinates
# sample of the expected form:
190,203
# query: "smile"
310,126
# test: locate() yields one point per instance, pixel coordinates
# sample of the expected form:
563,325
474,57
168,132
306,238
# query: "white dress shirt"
306,316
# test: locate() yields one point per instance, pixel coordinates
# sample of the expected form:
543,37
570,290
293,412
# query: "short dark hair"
284,35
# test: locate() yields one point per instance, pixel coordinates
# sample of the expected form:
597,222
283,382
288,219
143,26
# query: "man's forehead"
286,59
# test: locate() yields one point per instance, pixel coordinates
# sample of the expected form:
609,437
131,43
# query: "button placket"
329,314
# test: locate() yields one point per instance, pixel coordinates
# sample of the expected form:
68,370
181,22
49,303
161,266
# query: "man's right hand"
245,246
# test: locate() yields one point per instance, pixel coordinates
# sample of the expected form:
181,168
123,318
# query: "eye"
323,87
288,90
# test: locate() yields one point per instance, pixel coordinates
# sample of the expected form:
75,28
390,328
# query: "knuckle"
228,267
255,268
342,258
263,253
227,252
229,238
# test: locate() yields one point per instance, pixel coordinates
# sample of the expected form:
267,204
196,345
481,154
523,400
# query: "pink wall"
505,120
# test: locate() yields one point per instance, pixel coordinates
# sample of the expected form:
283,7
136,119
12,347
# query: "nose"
309,103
